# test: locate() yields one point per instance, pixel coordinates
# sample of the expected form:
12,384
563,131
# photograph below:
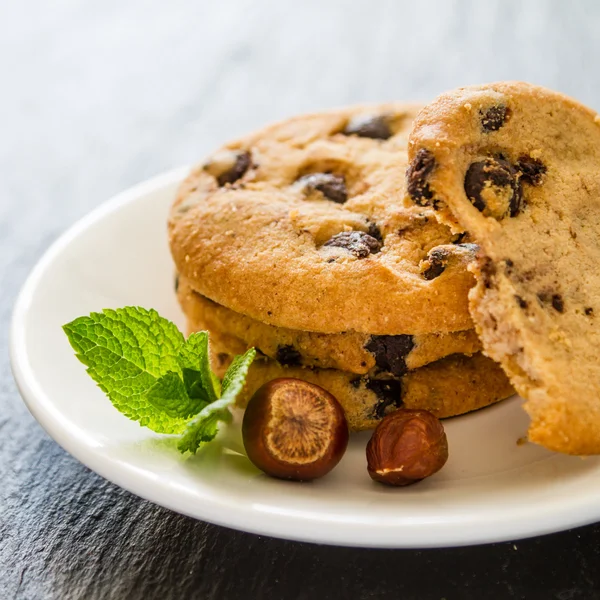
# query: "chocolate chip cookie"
448,387
518,168
350,351
303,226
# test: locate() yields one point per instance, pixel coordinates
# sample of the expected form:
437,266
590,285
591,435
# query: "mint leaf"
154,376
235,376
169,395
205,426
127,351
194,359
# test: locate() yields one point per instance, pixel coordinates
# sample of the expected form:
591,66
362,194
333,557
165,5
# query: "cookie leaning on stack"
296,240
517,166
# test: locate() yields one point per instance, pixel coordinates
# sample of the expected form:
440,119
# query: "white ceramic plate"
490,490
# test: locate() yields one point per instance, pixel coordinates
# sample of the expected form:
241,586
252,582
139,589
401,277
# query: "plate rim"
131,479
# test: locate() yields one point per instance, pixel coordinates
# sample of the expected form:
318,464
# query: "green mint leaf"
127,351
169,395
205,426
194,359
235,376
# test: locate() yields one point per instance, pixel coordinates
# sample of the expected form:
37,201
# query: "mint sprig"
153,375
203,428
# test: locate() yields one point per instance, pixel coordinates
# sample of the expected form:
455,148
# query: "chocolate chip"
416,177
435,264
375,232
509,263
589,311
369,126
288,355
229,166
359,243
355,383
493,187
390,352
488,272
222,358
390,393
493,118
532,170
521,302
333,187
558,303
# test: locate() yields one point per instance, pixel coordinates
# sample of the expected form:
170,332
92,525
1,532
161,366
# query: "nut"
293,429
407,446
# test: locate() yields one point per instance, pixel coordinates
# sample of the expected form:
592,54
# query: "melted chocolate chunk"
437,258
493,187
359,243
532,170
416,177
355,383
333,187
239,165
521,302
436,263
493,118
288,356
375,127
558,303
390,352
390,393
589,311
375,232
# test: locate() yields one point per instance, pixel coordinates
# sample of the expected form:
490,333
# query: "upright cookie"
303,225
518,167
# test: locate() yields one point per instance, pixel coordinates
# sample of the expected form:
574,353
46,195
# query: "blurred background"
96,95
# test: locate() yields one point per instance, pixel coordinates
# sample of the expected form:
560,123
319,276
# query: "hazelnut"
293,429
407,446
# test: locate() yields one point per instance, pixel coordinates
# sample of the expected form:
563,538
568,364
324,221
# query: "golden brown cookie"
303,225
349,351
448,387
518,168
452,386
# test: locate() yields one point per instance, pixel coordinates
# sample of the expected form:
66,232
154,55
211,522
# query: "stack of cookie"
298,240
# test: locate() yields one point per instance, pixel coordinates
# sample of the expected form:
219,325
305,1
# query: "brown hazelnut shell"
293,429
407,446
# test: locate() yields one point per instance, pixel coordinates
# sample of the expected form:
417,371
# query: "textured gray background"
96,95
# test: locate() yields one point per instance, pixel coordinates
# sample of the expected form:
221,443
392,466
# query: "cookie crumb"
597,119
522,441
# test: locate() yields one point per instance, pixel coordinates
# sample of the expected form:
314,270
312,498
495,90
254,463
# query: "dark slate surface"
97,95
